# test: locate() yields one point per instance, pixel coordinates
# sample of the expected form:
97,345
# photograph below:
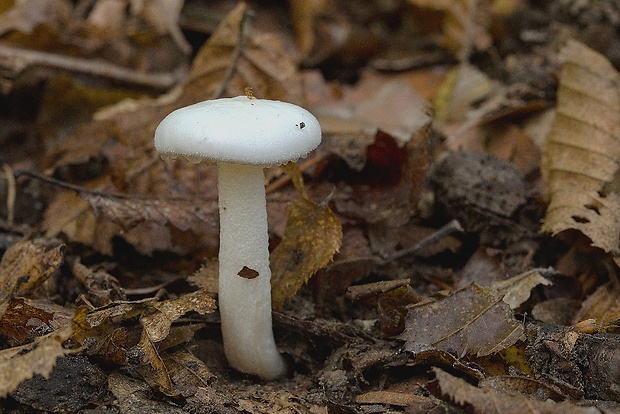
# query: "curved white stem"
244,275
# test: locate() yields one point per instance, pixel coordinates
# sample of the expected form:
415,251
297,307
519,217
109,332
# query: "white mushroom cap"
239,130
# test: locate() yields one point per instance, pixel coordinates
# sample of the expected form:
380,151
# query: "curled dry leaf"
583,149
312,236
20,363
471,321
27,264
158,324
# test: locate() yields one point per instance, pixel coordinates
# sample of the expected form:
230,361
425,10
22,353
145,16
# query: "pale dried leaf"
518,289
37,358
471,321
376,103
463,86
583,149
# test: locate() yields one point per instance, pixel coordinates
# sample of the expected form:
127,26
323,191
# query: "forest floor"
451,246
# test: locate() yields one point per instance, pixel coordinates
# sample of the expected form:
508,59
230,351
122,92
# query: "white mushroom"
243,134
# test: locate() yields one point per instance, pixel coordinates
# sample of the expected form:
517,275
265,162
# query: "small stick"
16,60
284,179
444,231
10,194
360,292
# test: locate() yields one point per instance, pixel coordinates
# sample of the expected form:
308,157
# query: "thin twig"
16,60
284,179
83,190
10,194
446,230
219,92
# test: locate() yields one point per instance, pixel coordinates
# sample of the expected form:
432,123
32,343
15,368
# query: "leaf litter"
402,284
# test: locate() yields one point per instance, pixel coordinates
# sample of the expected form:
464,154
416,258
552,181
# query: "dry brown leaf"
313,235
489,401
158,324
471,321
20,363
187,372
583,149
27,264
159,376
335,30
130,211
603,306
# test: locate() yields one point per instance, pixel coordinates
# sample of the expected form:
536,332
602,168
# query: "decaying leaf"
492,401
583,149
23,320
471,321
158,324
20,363
137,396
188,372
101,287
27,264
313,235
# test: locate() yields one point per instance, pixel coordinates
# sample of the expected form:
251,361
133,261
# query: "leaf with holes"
583,149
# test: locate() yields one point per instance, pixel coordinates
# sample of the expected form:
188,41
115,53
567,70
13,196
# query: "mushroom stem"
244,274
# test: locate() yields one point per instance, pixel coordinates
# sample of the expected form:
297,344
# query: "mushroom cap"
239,130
